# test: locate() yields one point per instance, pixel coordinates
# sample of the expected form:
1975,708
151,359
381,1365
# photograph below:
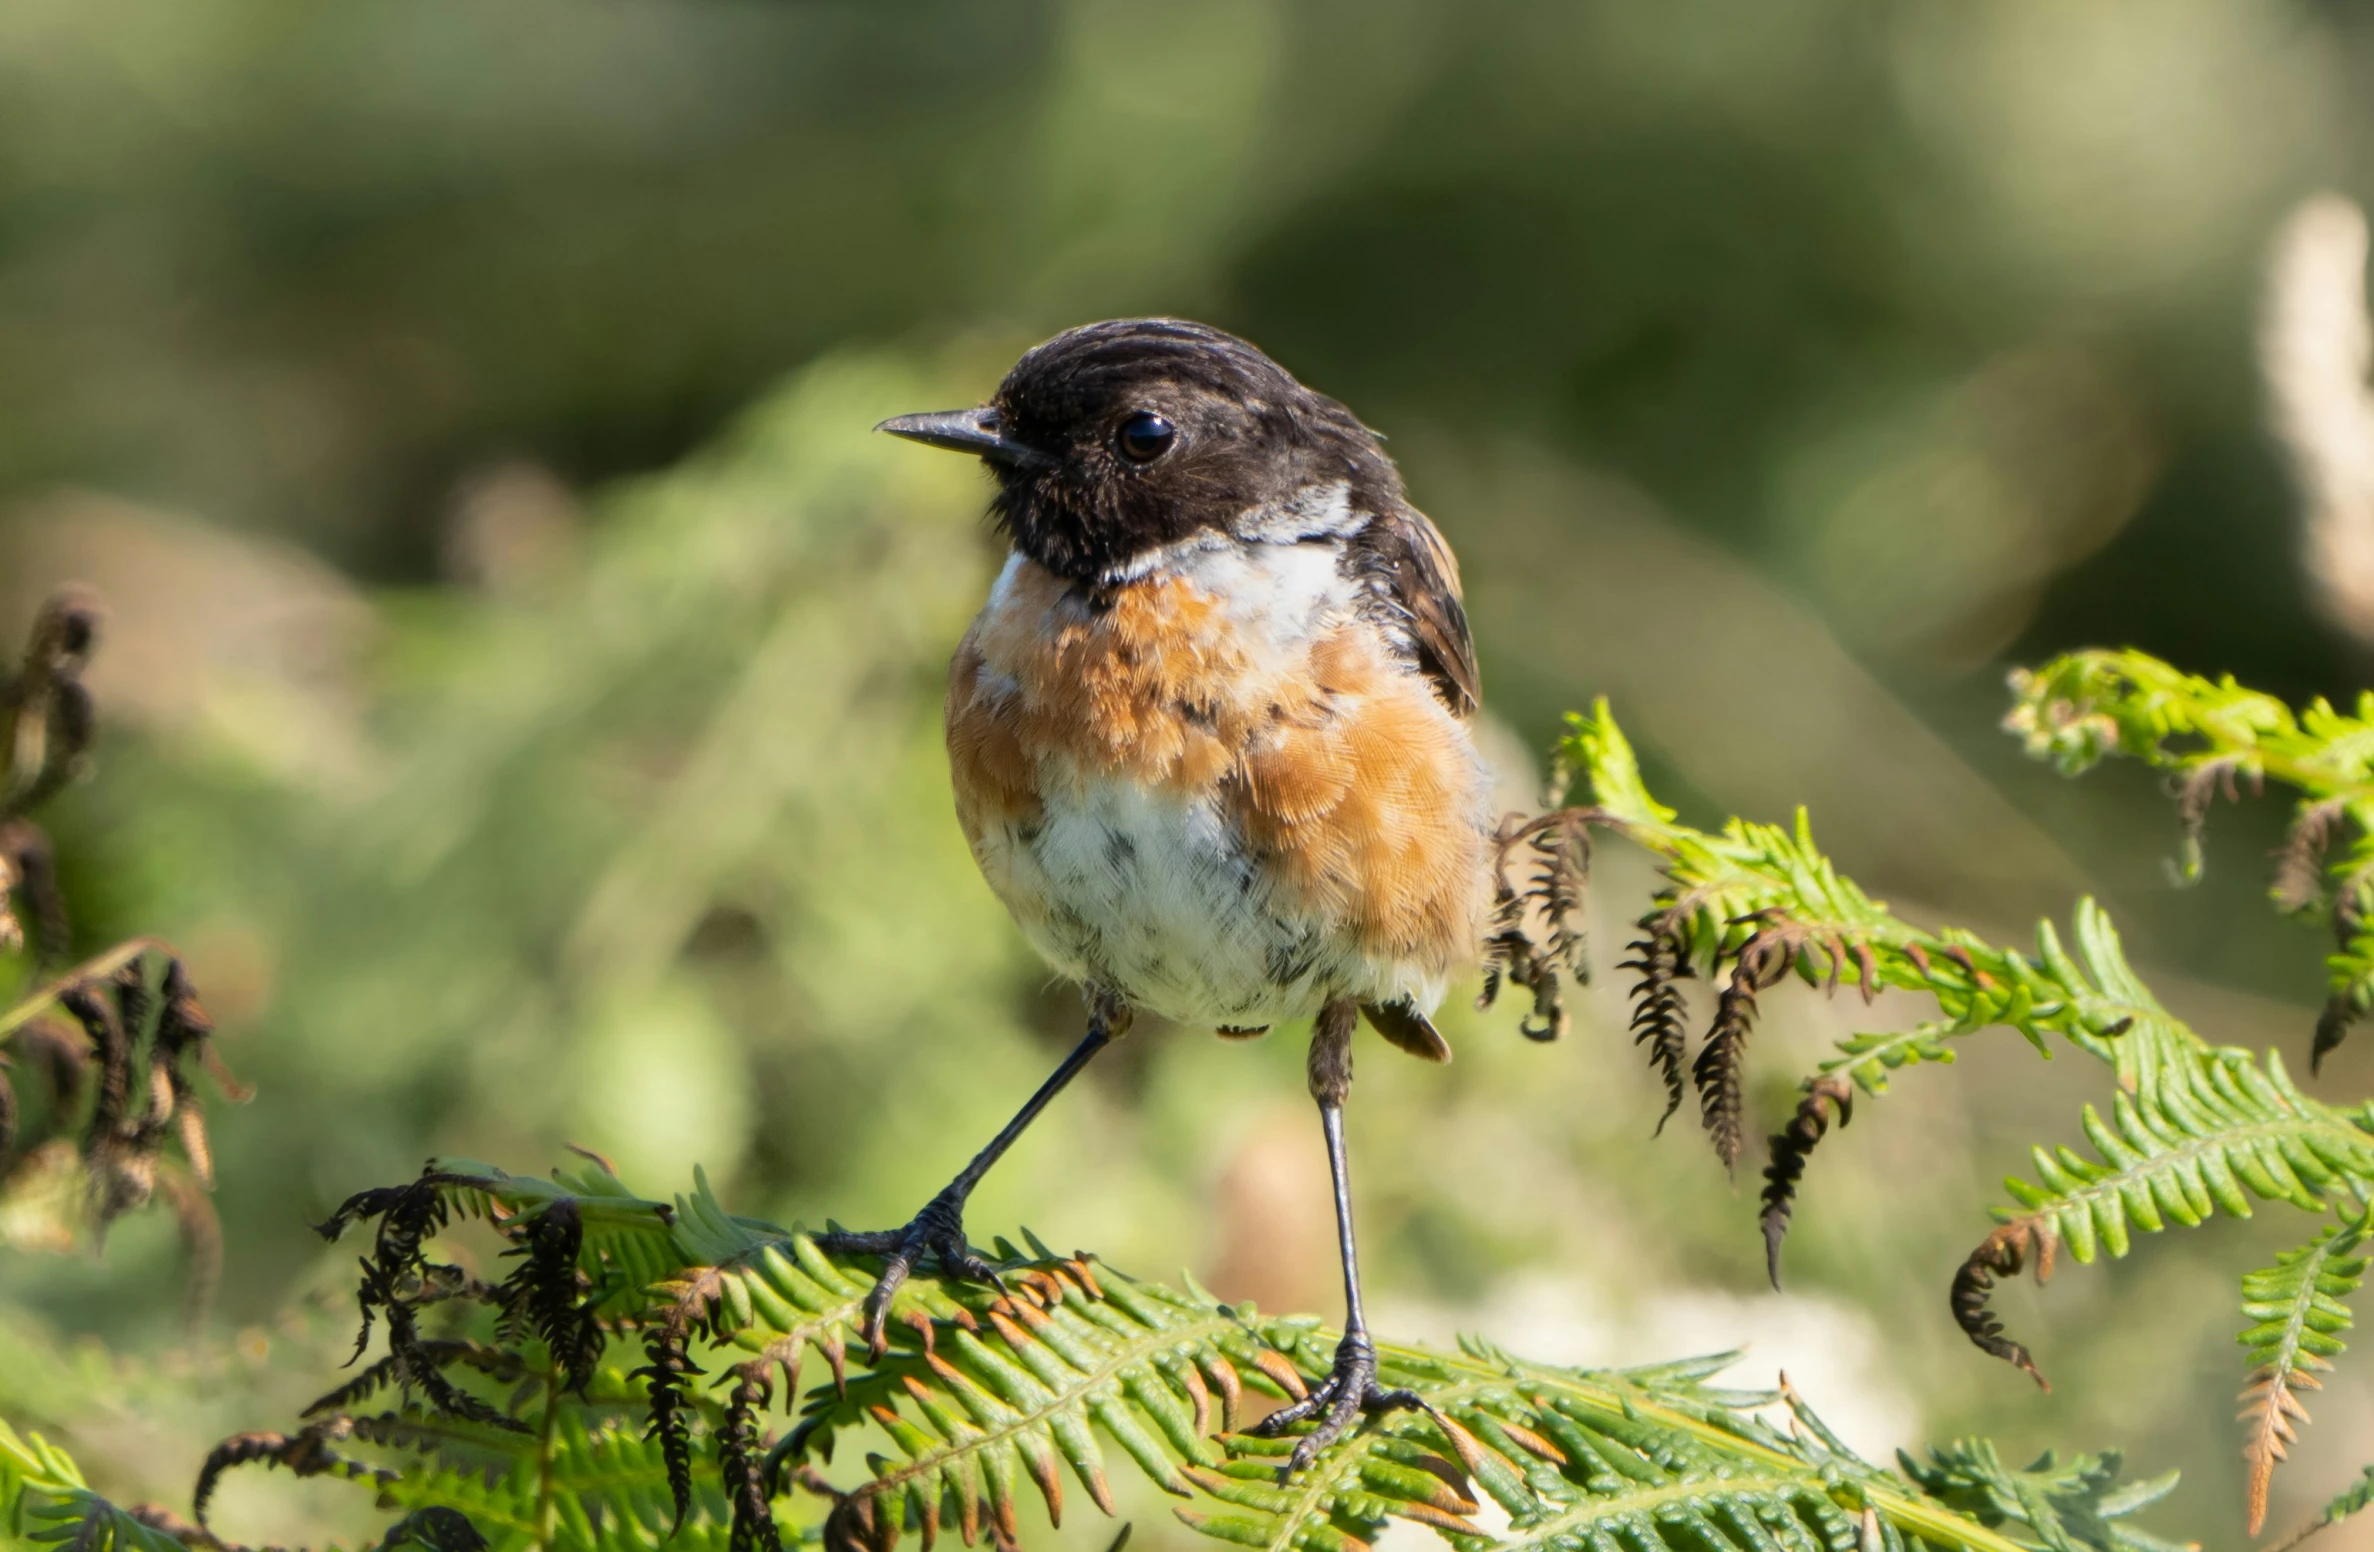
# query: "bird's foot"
1348,1391
939,1229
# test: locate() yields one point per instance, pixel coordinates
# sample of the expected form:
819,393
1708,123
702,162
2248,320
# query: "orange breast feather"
1351,786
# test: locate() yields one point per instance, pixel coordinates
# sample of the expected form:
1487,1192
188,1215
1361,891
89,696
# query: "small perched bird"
1211,736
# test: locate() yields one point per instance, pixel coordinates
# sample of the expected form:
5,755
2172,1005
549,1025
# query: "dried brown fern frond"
1660,1018
49,708
1541,872
667,1375
417,1369
140,1030
742,1449
2004,1253
408,1216
501,1363
2195,790
309,1452
549,1294
398,1280
434,1529
1770,952
29,873
2299,883
2345,1004
1791,1148
139,1100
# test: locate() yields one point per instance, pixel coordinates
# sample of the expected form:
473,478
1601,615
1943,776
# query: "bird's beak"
967,431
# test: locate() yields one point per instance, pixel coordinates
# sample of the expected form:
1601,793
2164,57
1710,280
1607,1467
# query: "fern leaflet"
2297,1315
43,1498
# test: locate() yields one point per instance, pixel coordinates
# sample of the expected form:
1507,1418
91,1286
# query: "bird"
1212,739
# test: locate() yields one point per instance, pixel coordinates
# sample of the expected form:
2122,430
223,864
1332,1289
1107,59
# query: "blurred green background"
522,686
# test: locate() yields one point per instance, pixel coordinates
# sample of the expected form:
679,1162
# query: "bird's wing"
1420,579
1402,1023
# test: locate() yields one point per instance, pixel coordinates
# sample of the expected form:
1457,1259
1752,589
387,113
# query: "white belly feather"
1157,898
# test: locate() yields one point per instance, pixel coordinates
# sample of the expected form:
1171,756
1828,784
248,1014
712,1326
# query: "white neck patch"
1316,512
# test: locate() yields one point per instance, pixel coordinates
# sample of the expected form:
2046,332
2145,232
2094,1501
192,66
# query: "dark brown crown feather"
1250,438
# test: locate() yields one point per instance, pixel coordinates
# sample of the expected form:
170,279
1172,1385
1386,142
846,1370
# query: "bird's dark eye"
1145,437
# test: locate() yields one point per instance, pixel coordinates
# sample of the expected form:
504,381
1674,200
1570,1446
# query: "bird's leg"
1351,1387
939,1227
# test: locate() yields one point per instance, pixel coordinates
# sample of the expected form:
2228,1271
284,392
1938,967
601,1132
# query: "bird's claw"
938,1229
1349,1390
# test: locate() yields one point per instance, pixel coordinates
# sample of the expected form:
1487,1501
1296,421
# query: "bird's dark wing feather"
1402,1023
1407,557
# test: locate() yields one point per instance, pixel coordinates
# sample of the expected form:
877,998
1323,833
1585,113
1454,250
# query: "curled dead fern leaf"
408,1215
141,1032
549,1293
741,1458
2299,883
667,1375
434,1529
1541,871
1791,1148
47,706
1770,951
2196,788
2004,1253
29,872
309,1452
496,1362
1659,1017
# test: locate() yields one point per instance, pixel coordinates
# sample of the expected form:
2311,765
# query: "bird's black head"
1113,440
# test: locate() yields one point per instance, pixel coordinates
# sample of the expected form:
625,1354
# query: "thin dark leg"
1331,1121
939,1227
1351,1388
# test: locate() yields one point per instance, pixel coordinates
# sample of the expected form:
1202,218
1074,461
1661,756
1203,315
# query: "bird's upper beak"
967,431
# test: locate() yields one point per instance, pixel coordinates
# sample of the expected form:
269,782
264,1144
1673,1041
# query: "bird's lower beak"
967,431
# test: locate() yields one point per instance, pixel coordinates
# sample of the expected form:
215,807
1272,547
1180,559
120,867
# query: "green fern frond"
2297,1312
2207,1130
2209,735
2190,1129
2083,707
43,1498
988,1400
1756,880
2193,1128
596,1485
2070,1504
